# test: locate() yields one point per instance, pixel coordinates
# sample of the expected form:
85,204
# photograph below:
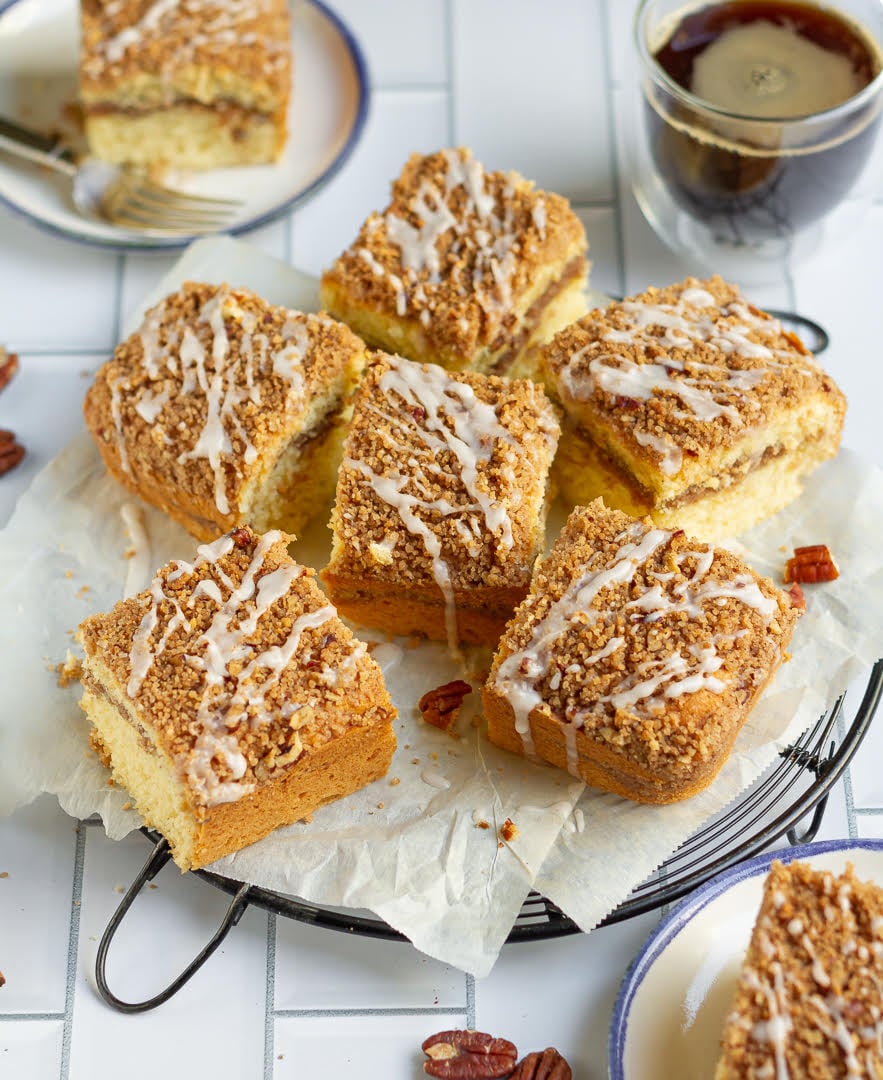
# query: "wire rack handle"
159,856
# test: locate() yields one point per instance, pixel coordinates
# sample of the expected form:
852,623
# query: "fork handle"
34,146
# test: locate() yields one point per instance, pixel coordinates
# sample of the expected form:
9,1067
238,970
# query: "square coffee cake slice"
464,268
441,501
189,85
636,657
223,409
228,698
691,406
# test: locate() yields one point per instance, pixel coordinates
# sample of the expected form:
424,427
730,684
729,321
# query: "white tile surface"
53,314
318,969
162,932
36,878
381,1047
30,1049
529,93
405,43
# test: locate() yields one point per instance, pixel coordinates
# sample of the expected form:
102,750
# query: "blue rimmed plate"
38,87
673,1001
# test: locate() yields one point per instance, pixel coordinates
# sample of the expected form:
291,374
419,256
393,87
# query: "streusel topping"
623,620
237,660
445,475
124,39
682,369
213,377
457,248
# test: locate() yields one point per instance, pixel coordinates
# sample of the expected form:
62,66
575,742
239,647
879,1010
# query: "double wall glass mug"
758,121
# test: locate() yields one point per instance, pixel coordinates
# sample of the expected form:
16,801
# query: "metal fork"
117,195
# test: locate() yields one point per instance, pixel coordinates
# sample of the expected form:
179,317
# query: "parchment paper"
410,847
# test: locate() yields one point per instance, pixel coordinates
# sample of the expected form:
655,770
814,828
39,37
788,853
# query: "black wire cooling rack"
789,798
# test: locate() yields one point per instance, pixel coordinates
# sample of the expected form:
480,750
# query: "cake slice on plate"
190,85
809,1001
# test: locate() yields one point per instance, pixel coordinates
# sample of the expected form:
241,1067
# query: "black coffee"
747,181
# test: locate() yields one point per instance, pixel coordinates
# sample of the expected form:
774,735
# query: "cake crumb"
482,824
394,781
4,873
68,671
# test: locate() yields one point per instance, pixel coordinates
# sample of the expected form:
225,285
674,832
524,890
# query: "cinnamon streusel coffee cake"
690,405
196,85
636,657
464,268
809,1001
441,501
222,409
229,699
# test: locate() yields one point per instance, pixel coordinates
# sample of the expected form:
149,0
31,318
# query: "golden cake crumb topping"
444,477
213,377
809,996
682,369
457,248
624,624
243,41
237,661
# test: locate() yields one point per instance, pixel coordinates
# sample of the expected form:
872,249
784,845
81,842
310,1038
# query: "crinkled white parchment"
410,847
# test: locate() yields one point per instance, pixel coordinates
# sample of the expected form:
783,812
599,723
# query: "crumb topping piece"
624,619
237,660
443,475
457,247
214,376
682,369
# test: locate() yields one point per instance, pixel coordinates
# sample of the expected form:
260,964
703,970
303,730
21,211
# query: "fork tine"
172,213
150,191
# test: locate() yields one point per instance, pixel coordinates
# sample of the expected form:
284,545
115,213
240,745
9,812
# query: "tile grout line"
270,998
449,56
72,951
614,148
846,781
416,1010
118,299
867,811
31,1016
470,1002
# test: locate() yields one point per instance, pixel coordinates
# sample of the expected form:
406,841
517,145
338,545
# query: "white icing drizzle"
139,561
445,416
658,679
774,1030
227,700
435,779
115,386
224,382
493,240
707,391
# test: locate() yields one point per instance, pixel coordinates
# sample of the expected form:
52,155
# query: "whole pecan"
548,1065
468,1055
11,452
810,565
8,366
441,706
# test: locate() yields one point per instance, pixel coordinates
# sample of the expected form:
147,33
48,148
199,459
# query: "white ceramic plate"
39,42
675,997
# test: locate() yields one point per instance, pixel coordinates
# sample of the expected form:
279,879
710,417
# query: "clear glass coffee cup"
758,123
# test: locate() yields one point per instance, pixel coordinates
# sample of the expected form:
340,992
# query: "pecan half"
548,1065
468,1055
2,979
441,706
11,452
8,366
810,565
